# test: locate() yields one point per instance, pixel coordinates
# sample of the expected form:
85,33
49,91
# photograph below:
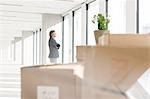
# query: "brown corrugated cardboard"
141,40
65,77
112,68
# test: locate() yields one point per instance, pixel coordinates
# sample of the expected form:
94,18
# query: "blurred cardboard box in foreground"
51,82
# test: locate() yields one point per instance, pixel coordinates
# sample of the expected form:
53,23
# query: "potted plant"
102,24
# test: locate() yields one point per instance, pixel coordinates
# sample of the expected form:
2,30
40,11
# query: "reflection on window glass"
77,31
144,16
67,40
58,29
117,16
93,10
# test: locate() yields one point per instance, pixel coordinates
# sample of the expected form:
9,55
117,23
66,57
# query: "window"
28,50
35,47
58,29
38,46
67,40
18,51
144,16
117,16
93,10
6,51
77,31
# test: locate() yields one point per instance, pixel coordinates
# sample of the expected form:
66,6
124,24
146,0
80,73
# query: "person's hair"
50,33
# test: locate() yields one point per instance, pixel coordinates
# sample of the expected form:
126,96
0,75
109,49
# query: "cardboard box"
139,40
111,70
60,80
116,64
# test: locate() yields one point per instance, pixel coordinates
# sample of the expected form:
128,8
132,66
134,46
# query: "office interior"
24,35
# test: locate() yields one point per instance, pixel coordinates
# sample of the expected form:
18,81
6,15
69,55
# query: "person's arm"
58,45
55,44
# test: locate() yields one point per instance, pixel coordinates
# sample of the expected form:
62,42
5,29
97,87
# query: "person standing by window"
53,47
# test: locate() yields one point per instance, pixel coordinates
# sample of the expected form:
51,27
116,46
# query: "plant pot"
99,33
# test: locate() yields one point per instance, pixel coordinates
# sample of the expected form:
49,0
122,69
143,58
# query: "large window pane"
18,52
35,47
144,16
38,46
67,40
58,29
117,16
28,50
77,31
93,10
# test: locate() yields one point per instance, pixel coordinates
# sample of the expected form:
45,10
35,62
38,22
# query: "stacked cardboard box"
111,69
139,40
114,65
66,78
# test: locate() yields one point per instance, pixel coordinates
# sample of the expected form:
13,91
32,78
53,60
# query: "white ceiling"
19,15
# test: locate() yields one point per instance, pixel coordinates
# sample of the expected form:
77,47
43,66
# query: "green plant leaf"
101,21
